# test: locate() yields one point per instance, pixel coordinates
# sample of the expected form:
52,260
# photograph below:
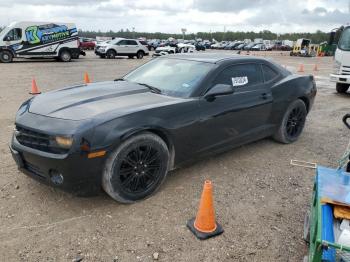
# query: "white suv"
121,47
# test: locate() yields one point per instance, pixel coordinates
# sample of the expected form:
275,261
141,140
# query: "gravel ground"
260,199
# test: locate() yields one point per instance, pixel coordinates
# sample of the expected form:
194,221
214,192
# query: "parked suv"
121,47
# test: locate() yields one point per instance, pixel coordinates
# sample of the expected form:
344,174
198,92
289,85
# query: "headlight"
64,142
336,67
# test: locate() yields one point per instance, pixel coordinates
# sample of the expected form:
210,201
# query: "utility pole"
183,30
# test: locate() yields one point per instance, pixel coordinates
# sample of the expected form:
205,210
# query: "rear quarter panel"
288,90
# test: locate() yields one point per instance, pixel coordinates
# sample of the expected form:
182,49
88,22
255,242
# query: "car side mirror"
219,90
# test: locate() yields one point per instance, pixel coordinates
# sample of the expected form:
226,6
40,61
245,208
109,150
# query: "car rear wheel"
292,123
139,55
342,88
65,56
111,54
136,169
6,56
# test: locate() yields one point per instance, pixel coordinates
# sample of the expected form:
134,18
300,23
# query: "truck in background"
303,47
39,40
341,66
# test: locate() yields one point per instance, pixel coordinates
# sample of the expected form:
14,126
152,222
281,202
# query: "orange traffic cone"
204,225
315,67
86,78
301,68
35,89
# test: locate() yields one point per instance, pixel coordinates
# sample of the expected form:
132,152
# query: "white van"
39,39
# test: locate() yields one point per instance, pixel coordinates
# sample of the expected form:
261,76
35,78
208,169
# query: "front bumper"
340,78
81,175
100,52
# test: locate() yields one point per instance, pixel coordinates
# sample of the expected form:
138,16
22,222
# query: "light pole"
133,32
183,30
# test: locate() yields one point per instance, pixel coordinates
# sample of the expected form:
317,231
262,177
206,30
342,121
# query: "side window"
13,35
269,73
241,76
122,42
131,42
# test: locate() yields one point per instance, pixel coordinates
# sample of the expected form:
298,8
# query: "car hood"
87,101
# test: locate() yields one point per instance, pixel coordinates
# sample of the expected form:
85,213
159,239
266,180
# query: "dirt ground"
260,199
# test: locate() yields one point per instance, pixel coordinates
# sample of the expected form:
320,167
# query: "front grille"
37,140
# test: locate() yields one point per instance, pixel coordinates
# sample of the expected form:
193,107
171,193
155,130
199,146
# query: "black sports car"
127,134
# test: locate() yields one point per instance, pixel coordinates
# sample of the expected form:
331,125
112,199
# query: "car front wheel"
292,123
139,55
136,169
6,56
111,54
342,88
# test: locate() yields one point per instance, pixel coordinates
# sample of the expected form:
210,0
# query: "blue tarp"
333,184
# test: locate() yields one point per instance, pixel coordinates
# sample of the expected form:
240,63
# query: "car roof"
214,58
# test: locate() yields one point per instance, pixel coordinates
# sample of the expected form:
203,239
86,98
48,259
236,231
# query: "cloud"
57,2
195,15
229,6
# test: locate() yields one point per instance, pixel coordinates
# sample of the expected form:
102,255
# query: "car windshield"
344,42
173,77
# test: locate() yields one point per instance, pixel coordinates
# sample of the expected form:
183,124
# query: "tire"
144,160
111,54
342,88
65,56
139,54
292,123
6,56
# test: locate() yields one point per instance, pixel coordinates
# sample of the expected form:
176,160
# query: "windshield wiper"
152,88
119,79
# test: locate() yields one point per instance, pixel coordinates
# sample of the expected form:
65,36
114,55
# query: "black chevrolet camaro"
125,135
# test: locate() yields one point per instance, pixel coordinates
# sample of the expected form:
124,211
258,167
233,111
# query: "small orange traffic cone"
35,89
86,78
315,67
301,68
204,226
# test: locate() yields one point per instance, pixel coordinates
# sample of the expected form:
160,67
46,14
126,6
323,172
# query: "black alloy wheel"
139,168
136,168
295,122
292,123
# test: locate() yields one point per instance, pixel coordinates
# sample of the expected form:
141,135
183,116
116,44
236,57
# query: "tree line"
316,37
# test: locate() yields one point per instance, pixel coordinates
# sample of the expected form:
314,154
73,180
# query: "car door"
14,38
132,46
122,47
238,117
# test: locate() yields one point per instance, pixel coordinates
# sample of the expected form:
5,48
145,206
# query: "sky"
168,16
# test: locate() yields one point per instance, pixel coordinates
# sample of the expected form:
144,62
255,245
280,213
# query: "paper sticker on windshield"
239,81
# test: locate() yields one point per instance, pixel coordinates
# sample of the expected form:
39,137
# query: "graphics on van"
48,33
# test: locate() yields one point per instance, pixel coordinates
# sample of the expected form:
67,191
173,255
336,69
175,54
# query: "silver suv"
121,47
